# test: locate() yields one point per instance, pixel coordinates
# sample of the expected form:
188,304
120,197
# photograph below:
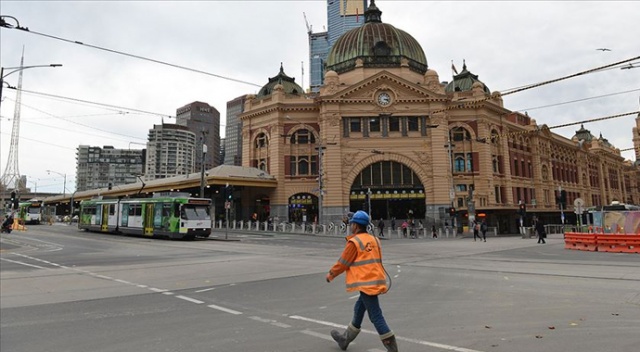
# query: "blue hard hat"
360,217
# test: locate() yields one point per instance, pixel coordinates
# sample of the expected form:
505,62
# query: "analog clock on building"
384,99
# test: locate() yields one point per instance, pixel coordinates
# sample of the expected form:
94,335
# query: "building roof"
464,81
288,84
376,44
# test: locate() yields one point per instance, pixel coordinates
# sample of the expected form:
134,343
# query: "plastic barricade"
580,241
619,243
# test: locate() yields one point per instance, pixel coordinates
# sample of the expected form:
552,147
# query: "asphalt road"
66,290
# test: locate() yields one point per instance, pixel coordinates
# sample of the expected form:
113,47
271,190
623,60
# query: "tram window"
112,209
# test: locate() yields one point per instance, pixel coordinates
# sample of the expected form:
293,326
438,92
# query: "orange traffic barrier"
580,241
18,224
619,243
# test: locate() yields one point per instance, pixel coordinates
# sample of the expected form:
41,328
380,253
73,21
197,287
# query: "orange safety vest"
366,273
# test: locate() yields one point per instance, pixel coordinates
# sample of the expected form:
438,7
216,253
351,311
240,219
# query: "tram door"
105,218
148,219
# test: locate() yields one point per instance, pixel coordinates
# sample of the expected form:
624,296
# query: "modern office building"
203,120
384,133
342,16
105,167
233,130
171,151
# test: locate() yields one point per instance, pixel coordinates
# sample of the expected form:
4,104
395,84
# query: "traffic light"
110,186
228,191
15,200
522,209
452,211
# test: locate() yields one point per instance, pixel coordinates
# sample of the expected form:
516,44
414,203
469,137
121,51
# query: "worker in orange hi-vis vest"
362,261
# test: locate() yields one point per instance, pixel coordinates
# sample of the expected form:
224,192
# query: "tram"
164,216
30,212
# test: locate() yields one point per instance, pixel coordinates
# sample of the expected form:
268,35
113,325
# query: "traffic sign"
227,205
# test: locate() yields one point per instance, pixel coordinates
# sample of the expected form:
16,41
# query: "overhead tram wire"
26,29
78,123
94,103
577,100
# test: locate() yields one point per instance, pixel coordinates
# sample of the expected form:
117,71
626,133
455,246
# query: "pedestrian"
393,223
542,234
476,231
404,228
483,229
381,226
434,234
361,259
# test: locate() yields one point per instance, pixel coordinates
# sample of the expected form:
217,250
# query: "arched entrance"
393,190
303,207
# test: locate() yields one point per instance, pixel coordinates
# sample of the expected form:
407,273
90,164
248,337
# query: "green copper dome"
377,44
464,81
288,83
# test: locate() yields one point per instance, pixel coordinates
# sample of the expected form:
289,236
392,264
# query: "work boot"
346,337
390,344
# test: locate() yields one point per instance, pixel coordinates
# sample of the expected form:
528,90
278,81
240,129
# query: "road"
67,290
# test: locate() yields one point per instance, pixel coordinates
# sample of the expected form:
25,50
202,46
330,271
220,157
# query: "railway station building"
384,133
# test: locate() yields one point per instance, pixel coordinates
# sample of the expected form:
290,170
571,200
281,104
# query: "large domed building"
384,133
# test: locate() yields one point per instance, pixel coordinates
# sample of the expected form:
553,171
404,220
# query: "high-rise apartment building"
342,15
203,120
233,132
107,166
171,151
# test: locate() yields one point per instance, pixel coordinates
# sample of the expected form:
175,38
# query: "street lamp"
64,188
17,69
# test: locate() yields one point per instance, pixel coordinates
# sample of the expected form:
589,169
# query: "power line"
93,103
26,29
77,123
577,100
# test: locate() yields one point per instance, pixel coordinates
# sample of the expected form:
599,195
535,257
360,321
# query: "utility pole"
203,153
320,149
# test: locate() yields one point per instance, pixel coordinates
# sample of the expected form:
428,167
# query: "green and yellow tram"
176,217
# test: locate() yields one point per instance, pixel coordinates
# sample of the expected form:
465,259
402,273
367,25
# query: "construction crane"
307,23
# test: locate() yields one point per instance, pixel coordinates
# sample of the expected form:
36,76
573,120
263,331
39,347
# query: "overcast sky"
508,44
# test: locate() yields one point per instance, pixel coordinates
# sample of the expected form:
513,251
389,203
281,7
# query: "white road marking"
167,293
281,325
123,282
223,309
206,289
189,299
322,336
416,341
103,277
142,286
21,263
354,297
159,290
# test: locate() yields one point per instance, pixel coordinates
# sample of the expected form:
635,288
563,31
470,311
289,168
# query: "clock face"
384,99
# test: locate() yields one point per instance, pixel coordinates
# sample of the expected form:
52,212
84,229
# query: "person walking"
381,226
404,229
393,223
434,234
542,234
361,259
483,229
476,231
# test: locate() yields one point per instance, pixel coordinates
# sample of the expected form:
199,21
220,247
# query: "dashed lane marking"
223,309
416,341
322,336
189,299
21,263
206,289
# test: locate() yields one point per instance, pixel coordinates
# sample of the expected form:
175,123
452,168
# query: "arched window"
262,141
303,136
459,134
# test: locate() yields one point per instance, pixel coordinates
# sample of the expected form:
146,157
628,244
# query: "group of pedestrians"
480,227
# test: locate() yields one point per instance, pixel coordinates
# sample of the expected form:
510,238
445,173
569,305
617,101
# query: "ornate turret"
288,84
